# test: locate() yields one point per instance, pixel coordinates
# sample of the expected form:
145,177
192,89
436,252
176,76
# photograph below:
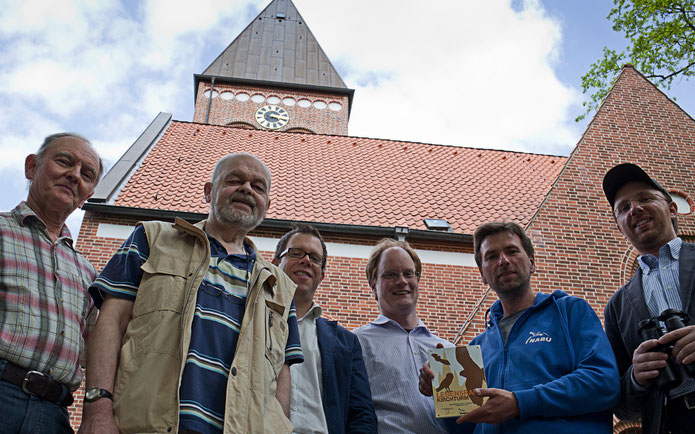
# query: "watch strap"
98,394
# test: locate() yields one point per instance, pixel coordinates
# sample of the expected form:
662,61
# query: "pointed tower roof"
278,48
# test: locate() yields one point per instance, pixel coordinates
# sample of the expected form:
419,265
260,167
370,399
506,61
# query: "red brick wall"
319,121
579,248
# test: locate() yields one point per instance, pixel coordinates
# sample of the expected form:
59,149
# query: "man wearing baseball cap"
646,216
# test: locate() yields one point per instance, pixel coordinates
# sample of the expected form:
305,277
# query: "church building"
274,93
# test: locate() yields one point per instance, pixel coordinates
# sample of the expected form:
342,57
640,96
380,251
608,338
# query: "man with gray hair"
196,331
45,308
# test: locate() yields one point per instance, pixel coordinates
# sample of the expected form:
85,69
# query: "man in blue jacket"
330,390
548,363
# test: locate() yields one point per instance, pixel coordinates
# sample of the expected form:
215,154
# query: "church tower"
274,76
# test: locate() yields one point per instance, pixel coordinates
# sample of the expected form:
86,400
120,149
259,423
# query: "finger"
684,341
426,373
485,392
652,356
684,354
646,346
644,379
676,334
469,417
649,366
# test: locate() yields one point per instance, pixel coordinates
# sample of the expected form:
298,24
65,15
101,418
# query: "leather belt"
37,384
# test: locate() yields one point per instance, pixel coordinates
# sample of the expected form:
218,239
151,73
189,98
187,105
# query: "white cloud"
461,73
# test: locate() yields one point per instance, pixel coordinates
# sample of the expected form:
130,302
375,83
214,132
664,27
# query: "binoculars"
673,319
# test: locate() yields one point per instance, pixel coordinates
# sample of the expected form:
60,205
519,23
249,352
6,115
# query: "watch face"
272,117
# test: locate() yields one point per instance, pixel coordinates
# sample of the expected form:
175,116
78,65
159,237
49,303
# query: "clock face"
272,117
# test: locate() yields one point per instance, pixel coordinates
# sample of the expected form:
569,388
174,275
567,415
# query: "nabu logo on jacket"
538,337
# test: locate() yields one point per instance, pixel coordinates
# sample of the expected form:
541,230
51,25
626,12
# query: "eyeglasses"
624,206
297,253
407,275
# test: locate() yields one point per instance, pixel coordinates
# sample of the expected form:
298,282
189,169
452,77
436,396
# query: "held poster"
457,372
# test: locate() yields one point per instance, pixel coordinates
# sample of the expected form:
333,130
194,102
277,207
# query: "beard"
227,214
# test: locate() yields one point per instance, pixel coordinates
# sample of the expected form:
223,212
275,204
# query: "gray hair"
53,137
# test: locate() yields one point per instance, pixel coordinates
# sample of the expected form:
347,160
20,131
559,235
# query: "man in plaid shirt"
45,308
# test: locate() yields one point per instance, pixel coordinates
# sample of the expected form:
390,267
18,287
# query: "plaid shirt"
45,308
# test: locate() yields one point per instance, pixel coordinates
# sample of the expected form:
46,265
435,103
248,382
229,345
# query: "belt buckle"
689,401
27,378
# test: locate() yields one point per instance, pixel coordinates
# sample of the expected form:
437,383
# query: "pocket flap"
164,264
276,307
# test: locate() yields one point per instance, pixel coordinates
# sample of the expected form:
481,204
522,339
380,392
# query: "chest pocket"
163,286
275,334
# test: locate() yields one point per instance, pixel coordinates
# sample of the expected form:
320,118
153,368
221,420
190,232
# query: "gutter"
397,232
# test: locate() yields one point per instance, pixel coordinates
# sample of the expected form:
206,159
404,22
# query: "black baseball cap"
621,175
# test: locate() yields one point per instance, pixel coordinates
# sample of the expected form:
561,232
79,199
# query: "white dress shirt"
306,400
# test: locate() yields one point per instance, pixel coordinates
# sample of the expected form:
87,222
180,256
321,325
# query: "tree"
662,46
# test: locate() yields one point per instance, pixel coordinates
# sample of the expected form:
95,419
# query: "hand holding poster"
457,372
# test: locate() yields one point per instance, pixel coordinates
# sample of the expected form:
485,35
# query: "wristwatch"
95,393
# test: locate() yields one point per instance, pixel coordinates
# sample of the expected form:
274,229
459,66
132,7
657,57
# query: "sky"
494,74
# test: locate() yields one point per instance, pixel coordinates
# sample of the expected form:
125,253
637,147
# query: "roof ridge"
347,138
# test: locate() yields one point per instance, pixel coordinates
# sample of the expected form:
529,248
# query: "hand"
97,418
425,379
500,406
646,362
684,348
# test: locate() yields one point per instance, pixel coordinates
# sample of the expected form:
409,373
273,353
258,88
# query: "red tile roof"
349,180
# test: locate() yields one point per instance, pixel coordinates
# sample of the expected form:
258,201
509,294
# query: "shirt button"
58,273
62,333
234,371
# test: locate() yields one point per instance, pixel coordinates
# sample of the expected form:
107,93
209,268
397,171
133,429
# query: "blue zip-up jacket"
559,364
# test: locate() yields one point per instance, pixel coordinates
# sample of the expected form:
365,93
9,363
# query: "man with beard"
548,363
196,332
646,215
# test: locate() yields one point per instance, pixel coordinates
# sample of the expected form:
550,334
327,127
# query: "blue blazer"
347,400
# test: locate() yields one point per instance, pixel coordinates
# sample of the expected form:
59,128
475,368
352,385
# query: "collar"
314,312
495,313
249,247
672,249
382,320
26,216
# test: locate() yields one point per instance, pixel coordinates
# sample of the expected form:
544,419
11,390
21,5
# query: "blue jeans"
24,414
